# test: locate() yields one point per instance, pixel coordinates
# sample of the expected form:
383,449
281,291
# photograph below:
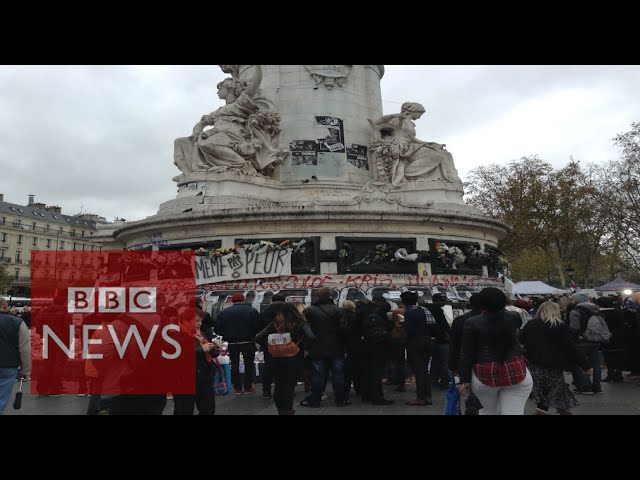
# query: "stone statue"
233,70
244,138
402,157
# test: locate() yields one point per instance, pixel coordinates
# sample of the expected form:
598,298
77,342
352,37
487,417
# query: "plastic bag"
452,399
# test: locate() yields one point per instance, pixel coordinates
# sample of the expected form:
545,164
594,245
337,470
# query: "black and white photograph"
304,152
334,142
357,156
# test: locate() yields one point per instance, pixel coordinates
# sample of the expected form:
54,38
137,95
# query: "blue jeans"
7,381
318,380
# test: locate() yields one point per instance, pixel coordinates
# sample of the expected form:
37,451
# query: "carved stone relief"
329,75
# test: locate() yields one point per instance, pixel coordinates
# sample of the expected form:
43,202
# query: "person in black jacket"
353,347
421,327
266,317
327,323
239,325
472,404
550,349
613,350
204,398
376,335
492,360
286,371
439,373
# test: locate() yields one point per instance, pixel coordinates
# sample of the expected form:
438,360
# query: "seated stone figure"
402,157
244,137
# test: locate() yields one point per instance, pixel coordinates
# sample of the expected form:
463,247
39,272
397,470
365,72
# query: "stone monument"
304,154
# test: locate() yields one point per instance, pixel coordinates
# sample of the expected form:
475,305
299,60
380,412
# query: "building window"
48,243
3,237
83,247
48,228
75,246
73,233
61,231
18,256
17,223
92,248
19,239
35,242
17,273
34,226
83,233
61,244
4,219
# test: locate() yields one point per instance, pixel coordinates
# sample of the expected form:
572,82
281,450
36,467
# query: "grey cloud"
101,137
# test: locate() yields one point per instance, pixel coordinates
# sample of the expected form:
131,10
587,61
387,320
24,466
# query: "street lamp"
570,272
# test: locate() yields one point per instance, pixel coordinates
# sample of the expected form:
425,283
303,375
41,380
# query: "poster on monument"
334,142
304,152
357,156
242,266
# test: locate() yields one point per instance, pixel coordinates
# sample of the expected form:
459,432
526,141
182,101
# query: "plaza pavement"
616,399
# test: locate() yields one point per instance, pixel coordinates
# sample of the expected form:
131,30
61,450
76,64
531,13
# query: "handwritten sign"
243,266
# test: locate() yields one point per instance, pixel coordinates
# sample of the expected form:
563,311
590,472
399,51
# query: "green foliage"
587,217
5,279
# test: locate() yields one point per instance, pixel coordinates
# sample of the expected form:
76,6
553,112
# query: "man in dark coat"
376,334
439,362
238,325
327,323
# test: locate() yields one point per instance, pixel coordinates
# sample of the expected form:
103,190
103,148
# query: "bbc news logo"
112,300
128,327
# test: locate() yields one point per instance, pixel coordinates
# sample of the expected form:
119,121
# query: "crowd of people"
502,354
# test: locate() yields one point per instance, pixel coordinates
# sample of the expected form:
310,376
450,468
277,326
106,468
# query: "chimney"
1,197
54,209
31,199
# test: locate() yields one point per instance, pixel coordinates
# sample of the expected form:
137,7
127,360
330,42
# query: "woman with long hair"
286,371
492,360
550,350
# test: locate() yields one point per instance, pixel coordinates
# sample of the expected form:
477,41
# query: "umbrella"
17,403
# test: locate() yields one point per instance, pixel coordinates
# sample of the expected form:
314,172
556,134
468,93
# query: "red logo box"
113,323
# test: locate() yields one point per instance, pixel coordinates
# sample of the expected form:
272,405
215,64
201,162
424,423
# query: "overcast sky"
100,138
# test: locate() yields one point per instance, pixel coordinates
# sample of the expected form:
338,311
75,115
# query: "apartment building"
36,226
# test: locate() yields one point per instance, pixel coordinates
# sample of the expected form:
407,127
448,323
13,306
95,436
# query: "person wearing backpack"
579,318
287,370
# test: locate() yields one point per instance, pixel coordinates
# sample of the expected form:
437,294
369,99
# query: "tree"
5,279
547,210
626,191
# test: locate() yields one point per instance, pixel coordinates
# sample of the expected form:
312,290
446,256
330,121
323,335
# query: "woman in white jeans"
492,360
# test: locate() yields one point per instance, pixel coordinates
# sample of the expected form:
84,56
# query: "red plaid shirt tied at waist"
502,374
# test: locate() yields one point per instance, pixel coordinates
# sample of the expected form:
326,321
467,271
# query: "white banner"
242,266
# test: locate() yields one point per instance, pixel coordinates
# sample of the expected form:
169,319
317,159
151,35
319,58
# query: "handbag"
452,399
284,349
